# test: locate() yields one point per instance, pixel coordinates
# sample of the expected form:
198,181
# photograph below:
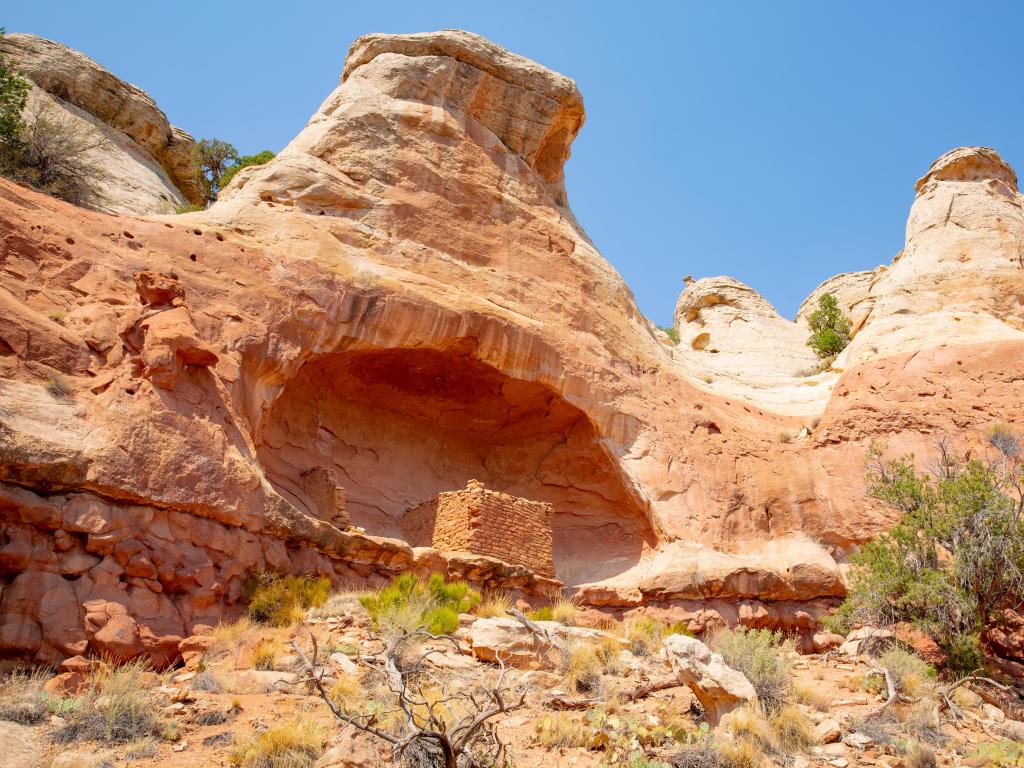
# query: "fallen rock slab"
719,688
509,641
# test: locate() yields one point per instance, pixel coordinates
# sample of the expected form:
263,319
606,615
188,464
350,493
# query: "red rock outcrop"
402,298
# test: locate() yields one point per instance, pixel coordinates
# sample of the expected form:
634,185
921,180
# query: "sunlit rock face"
142,164
402,301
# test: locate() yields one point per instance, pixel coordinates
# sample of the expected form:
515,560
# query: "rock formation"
719,687
143,163
402,298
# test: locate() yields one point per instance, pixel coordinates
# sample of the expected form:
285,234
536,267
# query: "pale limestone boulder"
145,163
509,641
719,688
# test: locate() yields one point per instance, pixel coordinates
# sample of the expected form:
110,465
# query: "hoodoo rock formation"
401,302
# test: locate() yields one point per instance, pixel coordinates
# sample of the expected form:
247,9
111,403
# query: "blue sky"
777,142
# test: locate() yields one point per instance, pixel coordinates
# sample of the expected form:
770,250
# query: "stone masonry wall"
485,522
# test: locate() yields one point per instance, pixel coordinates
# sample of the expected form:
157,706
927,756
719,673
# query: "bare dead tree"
451,726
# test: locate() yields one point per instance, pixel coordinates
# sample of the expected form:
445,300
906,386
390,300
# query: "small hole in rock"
129,235
69,240
192,256
219,236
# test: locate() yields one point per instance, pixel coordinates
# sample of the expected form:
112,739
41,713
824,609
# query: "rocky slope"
404,298
143,163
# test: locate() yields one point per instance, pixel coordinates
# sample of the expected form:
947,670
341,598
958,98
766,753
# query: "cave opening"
398,426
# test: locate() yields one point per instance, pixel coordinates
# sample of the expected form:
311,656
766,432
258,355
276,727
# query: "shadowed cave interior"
398,426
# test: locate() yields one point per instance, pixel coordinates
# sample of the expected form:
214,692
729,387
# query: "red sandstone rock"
451,331
118,639
66,685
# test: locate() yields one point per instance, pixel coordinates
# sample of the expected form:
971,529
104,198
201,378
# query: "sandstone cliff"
144,163
403,301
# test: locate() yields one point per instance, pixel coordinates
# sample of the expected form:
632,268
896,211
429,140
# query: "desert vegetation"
42,148
387,676
830,329
954,562
216,163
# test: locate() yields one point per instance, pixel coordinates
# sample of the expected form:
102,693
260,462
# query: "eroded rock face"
144,163
402,301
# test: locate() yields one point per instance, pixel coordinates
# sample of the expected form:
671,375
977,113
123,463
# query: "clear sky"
777,142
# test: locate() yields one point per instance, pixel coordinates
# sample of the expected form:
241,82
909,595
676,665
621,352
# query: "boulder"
66,685
828,731
719,688
194,648
826,641
511,642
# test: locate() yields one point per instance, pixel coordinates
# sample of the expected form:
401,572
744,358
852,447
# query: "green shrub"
1004,753
830,329
954,561
245,161
407,603
760,655
13,95
279,600
671,332
54,154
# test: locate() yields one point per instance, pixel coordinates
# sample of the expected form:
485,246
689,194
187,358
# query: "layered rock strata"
403,301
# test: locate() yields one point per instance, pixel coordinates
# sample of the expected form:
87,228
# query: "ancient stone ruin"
485,522
328,498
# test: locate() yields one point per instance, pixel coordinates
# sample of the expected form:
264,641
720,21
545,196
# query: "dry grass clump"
702,753
913,676
494,605
582,668
922,723
117,707
206,681
560,730
22,698
792,731
340,603
646,635
762,656
282,600
348,694
812,696
266,652
919,756
229,634
295,743
742,753
57,385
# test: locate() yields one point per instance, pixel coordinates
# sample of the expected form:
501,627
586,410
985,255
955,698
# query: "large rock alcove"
397,426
